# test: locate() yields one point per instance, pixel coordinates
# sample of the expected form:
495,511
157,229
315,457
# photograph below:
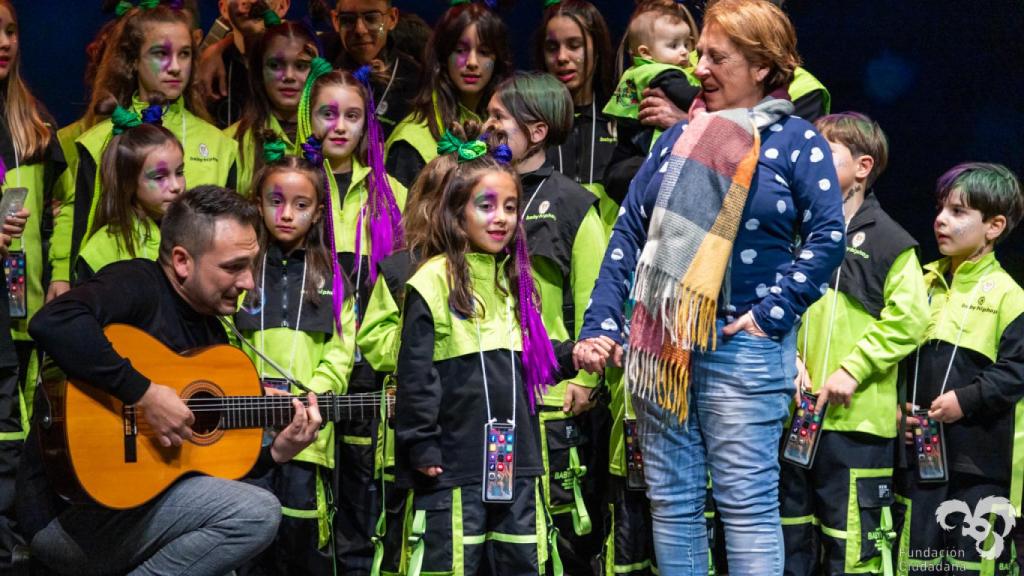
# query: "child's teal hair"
538,97
992,189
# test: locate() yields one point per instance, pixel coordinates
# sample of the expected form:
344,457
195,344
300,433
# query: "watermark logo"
976,523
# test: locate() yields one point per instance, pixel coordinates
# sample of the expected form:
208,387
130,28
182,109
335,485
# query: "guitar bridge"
131,432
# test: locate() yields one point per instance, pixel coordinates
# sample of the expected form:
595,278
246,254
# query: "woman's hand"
593,354
300,432
14,225
211,76
658,111
57,287
745,323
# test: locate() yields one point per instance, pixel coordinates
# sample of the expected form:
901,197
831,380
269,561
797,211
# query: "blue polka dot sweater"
790,239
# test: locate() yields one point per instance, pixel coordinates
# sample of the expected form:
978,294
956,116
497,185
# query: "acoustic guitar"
95,447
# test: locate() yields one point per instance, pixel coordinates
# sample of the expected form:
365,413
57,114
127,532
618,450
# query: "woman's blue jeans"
739,400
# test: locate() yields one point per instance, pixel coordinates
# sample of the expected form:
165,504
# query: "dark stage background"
945,79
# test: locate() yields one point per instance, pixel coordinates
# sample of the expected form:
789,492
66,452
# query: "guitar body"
86,438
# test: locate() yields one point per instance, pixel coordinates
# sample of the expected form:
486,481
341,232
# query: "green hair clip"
274,150
122,7
467,151
453,3
550,3
149,4
123,119
317,68
270,18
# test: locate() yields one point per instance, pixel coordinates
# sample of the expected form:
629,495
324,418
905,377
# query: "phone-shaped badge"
13,201
802,443
634,456
17,286
276,383
499,461
930,446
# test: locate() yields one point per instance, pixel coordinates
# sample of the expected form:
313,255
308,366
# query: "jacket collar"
866,214
969,271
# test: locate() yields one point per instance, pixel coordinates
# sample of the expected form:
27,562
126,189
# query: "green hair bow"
274,150
270,18
317,68
122,7
149,4
550,3
466,151
124,119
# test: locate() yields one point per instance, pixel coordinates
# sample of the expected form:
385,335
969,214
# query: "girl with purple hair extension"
363,216
292,317
473,363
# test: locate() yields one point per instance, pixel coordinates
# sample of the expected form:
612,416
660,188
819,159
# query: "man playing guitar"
201,524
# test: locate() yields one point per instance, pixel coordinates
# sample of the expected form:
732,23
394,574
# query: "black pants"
925,547
851,472
10,453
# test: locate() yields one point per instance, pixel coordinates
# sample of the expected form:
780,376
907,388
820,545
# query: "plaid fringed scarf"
689,244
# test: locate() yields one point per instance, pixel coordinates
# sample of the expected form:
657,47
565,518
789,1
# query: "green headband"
467,151
149,4
124,119
317,68
270,18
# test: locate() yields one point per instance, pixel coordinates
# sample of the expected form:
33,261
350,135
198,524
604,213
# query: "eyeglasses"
372,20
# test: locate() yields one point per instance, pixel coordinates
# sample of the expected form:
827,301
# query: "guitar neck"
278,411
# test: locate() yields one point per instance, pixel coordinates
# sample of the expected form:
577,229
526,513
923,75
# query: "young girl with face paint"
566,241
466,57
474,354
282,55
296,318
142,172
574,45
149,56
338,117
30,158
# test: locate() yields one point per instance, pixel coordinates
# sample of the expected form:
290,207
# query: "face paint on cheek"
278,196
459,60
485,216
165,60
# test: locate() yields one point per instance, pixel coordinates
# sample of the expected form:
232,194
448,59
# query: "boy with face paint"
968,377
872,314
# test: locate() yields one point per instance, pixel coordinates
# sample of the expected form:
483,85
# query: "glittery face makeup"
566,47
491,214
339,119
363,26
160,180
846,170
165,61
285,68
290,208
471,64
499,118
960,231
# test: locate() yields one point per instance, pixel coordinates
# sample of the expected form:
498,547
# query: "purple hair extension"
3,171
311,149
539,363
386,233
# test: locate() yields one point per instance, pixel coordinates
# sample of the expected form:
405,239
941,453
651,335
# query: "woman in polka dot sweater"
729,231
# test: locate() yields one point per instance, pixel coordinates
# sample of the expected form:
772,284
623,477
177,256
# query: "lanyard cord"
534,195
831,321
298,316
483,366
593,136
358,260
394,71
956,344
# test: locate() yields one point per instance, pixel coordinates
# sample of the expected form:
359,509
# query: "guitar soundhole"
207,418
200,397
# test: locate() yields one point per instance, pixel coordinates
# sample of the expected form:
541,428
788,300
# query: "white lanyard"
593,141
532,196
382,107
298,316
483,367
831,318
956,344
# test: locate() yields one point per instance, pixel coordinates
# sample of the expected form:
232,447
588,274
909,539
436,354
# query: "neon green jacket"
104,248
210,158
247,152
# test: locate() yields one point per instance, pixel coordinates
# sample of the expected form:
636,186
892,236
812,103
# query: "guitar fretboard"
277,411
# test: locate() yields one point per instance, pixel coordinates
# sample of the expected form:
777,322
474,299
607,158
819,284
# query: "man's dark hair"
191,220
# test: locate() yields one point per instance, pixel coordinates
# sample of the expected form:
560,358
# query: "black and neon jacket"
585,154
39,175
566,240
210,158
440,404
987,372
411,145
309,345
878,316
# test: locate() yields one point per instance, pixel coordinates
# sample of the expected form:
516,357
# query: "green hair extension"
466,151
317,68
124,119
